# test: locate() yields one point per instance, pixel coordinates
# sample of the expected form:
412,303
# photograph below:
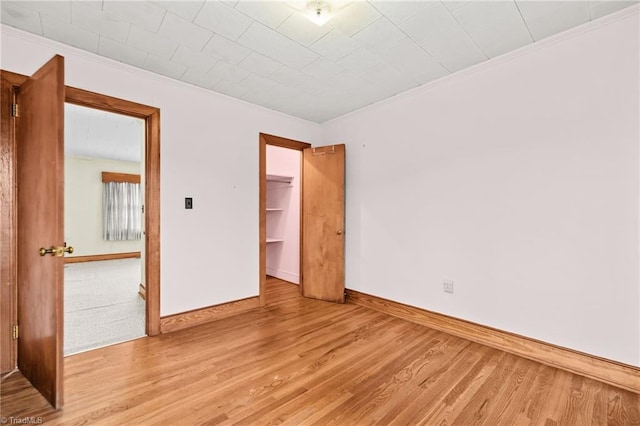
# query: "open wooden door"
40,174
323,223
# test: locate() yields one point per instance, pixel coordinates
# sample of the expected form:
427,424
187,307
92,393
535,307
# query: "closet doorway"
283,213
320,215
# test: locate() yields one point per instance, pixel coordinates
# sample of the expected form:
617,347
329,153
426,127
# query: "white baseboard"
283,275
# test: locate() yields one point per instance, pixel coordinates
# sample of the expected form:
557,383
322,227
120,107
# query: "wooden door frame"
8,226
264,140
8,200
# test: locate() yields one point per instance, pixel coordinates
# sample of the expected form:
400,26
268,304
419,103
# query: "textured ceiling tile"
191,58
454,5
95,4
259,97
121,52
433,19
222,19
229,72
323,69
16,15
200,77
454,50
496,27
93,19
185,9
69,34
289,76
334,46
315,86
176,28
398,11
60,10
288,98
287,94
379,35
386,76
355,84
163,66
225,49
151,42
410,58
546,18
143,14
302,30
270,13
273,44
390,81
354,17
601,8
230,89
256,82
259,64
360,61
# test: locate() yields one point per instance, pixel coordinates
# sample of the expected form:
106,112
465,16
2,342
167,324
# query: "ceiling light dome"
318,11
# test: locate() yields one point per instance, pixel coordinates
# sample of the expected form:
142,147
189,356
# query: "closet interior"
283,213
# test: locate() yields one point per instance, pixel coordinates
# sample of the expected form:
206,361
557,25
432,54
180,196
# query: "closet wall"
283,213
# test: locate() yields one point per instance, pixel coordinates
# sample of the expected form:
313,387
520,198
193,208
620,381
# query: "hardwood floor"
300,361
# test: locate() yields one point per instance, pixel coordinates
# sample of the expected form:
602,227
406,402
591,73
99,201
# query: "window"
121,207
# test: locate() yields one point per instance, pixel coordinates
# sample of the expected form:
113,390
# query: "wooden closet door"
323,223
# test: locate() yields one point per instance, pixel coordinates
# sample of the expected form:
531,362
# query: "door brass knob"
55,251
43,251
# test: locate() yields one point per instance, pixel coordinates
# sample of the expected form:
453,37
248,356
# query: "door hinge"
14,332
15,110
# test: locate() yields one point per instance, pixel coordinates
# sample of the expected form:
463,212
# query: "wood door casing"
40,172
323,223
151,115
264,140
8,294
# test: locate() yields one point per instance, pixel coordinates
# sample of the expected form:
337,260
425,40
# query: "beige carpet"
101,304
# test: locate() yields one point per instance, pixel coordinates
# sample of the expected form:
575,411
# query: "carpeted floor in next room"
101,304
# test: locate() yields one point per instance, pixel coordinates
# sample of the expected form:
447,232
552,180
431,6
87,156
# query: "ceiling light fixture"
318,11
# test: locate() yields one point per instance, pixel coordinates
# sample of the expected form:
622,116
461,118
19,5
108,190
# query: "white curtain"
122,211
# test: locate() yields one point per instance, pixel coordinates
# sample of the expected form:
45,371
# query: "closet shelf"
279,178
274,240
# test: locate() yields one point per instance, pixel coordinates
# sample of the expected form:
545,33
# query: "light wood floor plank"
300,362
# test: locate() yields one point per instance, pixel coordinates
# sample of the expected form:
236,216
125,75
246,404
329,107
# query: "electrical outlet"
447,286
188,203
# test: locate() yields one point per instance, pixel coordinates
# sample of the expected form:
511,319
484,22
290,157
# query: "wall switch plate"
188,203
447,286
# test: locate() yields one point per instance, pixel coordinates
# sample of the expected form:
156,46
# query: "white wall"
518,180
283,259
209,151
83,220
